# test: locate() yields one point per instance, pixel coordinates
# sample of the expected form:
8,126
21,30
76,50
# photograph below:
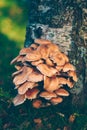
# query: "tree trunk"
64,23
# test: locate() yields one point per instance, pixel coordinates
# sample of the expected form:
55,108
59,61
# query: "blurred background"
13,20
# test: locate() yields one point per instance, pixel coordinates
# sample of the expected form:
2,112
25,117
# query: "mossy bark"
47,18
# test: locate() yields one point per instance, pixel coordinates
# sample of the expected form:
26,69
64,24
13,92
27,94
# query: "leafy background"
13,20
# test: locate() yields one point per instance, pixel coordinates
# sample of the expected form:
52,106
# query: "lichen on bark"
47,18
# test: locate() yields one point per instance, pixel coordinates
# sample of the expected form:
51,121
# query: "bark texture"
65,23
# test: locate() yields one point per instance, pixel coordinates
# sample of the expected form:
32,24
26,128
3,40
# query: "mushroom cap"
18,67
15,59
73,75
49,62
21,78
56,100
70,84
17,72
59,68
46,70
27,85
58,58
35,77
37,103
62,80
68,67
32,56
42,41
51,83
19,99
34,46
44,51
48,95
62,92
31,93
25,51
35,63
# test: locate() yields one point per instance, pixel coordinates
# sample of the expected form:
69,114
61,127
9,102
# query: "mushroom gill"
43,74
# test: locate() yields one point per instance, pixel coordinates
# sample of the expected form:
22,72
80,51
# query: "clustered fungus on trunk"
44,74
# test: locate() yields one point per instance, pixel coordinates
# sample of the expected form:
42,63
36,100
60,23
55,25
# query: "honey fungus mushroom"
42,73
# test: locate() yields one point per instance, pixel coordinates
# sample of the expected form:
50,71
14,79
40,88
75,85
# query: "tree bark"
64,23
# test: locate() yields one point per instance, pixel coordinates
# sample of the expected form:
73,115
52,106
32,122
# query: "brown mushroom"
59,68
21,78
56,100
15,60
33,56
42,41
73,75
34,46
44,51
68,67
19,99
46,70
35,77
31,93
37,103
35,63
62,80
24,51
47,95
49,62
51,83
18,67
69,83
17,72
61,92
58,58
24,87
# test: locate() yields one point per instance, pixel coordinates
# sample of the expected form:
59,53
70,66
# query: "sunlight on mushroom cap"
62,92
31,93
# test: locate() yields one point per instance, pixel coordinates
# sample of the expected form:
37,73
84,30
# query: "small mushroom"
47,95
73,75
35,77
46,70
24,87
68,67
56,100
62,92
31,93
37,103
42,41
19,99
33,56
51,83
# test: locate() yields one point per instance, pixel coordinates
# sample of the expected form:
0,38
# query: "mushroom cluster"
44,74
